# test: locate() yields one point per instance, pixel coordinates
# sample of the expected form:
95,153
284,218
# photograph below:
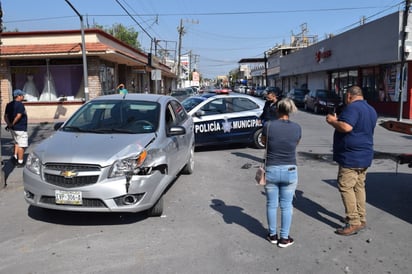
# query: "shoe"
349,229
285,242
19,165
346,221
13,160
363,225
272,238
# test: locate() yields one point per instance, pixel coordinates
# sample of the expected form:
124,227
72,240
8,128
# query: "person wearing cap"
122,90
15,117
269,110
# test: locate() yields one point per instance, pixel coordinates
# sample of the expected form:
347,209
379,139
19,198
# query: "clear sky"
218,32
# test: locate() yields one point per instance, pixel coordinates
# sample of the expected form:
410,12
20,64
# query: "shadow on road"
233,214
390,192
315,210
83,218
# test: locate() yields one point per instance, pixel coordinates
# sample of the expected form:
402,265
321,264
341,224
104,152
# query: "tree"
126,35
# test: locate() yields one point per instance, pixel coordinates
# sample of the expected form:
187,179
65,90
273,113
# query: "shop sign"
322,54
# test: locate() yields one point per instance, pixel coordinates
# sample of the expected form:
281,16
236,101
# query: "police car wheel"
257,139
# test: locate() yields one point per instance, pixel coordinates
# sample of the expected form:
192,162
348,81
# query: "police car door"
220,124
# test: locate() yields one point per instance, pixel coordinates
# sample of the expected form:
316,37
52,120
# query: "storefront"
48,66
368,56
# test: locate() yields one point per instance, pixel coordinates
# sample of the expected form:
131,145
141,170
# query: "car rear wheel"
190,165
257,139
157,209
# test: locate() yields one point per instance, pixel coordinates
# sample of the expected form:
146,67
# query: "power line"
249,12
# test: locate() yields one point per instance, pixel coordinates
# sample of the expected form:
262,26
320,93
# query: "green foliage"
126,35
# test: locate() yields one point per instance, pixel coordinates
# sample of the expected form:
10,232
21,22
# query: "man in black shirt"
269,110
15,117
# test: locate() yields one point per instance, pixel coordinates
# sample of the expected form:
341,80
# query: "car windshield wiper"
72,128
111,130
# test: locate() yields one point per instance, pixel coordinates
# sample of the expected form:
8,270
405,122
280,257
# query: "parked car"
259,91
298,96
223,119
244,89
114,154
182,93
321,101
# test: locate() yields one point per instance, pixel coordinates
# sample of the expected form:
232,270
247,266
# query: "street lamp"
85,76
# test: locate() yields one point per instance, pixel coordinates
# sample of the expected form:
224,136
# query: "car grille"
85,202
52,174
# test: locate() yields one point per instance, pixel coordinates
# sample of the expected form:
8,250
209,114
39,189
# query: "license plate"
68,197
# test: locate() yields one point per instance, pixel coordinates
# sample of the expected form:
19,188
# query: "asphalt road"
215,221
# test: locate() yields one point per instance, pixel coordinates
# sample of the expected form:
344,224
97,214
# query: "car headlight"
128,165
33,163
323,103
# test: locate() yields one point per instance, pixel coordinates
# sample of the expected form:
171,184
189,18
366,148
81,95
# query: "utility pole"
85,75
266,68
403,57
181,30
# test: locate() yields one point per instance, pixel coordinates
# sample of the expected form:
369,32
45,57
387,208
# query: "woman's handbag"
260,172
260,176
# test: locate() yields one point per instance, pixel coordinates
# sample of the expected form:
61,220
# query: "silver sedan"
115,154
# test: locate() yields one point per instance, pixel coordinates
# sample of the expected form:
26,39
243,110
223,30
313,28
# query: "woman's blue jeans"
281,183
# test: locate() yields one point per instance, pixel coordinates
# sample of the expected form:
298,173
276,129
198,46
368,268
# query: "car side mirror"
57,125
199,113
176,130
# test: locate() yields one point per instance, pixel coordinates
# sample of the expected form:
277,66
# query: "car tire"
157,209
257,139
190,165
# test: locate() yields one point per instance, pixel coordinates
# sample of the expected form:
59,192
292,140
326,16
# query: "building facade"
369,56
48,66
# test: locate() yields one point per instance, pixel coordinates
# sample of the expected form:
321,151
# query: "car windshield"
191,102
115,116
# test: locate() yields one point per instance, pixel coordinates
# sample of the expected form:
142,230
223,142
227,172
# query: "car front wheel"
157,209
257,139
190,165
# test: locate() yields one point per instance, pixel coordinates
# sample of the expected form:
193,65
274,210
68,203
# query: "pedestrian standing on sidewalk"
15,117
353,151
281,137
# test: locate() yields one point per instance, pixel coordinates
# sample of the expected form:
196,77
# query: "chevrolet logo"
68,173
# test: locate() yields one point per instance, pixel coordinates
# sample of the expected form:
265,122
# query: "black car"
322,101
298,96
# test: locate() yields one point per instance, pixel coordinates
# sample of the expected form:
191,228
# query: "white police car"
223,119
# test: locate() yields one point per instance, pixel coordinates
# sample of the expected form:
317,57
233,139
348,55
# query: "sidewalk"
12,175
